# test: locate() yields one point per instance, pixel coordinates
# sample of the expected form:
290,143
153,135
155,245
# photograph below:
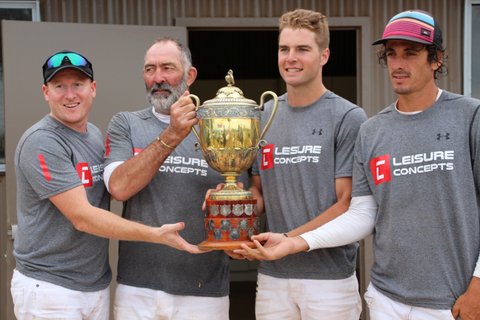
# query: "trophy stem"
231,181
231,191
230,177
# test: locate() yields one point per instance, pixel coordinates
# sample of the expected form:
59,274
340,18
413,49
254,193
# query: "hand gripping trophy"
229,138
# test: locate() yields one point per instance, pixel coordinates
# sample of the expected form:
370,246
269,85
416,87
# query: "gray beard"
162,104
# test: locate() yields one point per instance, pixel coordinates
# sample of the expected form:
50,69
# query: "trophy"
229,138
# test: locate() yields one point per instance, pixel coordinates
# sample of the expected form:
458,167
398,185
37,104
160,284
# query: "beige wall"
6,262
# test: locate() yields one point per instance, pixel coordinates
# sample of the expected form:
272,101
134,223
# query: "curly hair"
435,54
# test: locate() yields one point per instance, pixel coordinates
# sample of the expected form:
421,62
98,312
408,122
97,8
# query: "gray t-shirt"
419,170
50,159
308,148
176,193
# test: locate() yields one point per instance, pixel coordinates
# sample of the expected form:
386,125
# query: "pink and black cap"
413,25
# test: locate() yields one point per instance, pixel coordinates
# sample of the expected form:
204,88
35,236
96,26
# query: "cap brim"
50,77
411,39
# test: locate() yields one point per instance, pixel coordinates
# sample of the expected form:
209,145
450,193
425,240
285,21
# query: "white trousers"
382,307
40,300
307,299
133,303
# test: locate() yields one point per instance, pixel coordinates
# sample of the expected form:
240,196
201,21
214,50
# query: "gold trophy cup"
229,138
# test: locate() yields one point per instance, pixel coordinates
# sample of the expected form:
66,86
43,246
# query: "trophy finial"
229,78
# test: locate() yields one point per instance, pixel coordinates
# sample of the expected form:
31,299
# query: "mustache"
161,86
400,73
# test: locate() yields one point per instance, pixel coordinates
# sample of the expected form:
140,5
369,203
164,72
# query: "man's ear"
192,75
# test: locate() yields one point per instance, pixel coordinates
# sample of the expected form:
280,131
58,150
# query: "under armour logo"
446,136
317,131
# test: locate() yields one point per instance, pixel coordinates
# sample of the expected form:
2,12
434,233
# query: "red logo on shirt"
107,146
380,167
44,167
84,174
267,157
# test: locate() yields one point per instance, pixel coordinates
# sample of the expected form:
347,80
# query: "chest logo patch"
267,157
84,174
380,168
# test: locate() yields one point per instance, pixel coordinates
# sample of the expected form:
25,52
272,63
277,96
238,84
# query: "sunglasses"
75,59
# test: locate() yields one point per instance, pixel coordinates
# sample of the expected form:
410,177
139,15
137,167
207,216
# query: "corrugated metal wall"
163,12
449,13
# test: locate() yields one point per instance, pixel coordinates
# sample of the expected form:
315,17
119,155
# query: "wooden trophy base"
230,223
225,245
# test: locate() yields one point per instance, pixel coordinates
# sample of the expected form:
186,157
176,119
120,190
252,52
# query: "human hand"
275,246
259,252
257,195
183,117
217,188
467,306
234,255
169,235
209,192
269,239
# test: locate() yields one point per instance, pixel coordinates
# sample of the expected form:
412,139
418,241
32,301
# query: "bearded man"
152,165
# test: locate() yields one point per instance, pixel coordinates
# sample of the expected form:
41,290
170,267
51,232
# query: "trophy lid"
230,95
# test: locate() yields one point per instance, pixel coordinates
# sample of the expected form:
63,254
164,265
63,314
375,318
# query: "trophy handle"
275,104
196,100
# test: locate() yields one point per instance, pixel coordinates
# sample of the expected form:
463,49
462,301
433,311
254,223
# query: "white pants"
40,300
382,307
306,299
147,304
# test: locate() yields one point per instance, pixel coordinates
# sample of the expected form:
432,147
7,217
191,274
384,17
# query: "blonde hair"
307,19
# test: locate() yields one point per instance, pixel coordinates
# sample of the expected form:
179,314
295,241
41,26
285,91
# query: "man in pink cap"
416,182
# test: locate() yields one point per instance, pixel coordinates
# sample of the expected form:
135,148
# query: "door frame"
365,58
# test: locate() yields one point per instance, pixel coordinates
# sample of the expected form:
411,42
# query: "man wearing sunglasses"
61,248
153,166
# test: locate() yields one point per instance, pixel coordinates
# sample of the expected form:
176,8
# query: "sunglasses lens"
75,59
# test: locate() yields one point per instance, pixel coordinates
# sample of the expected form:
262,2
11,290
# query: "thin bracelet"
164,143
